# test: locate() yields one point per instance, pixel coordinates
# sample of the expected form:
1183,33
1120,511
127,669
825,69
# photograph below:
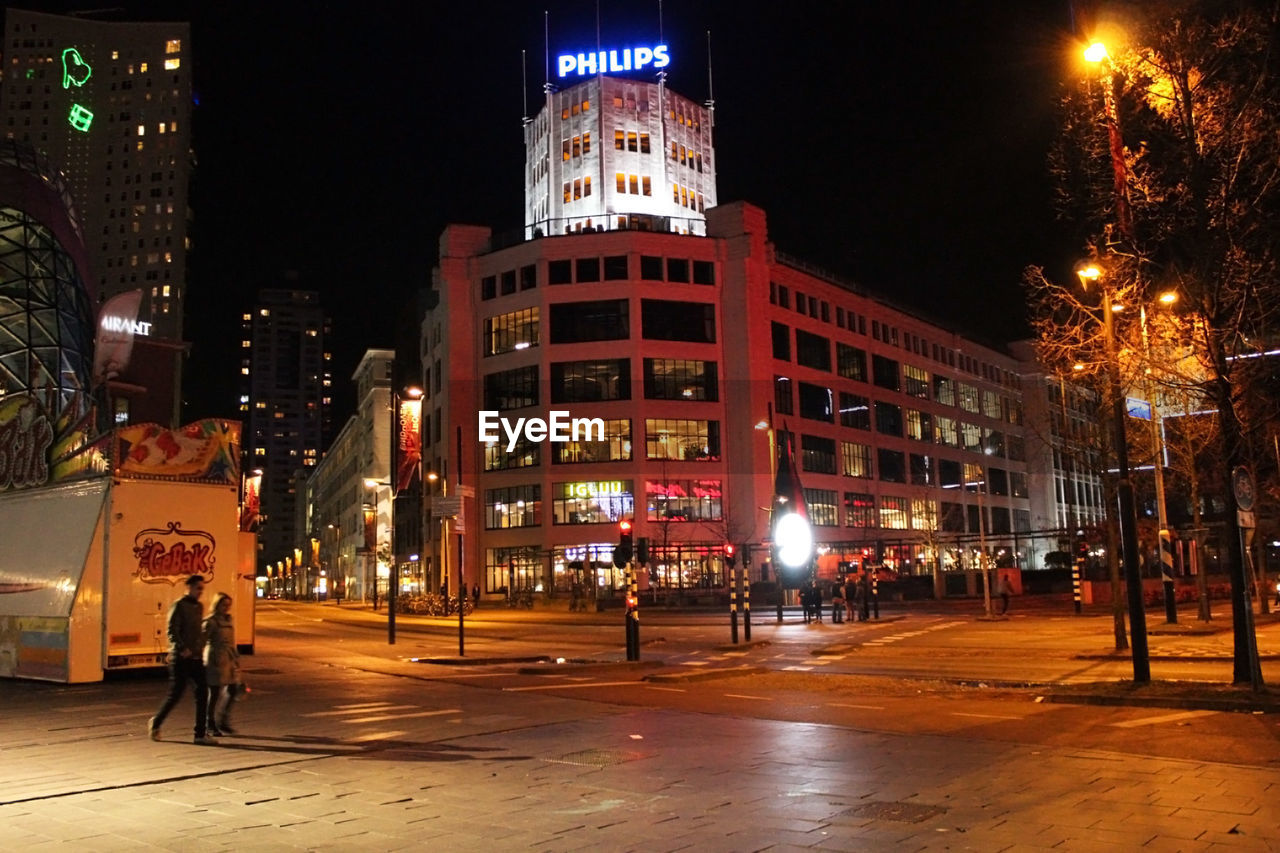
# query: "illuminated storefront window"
683,500
597,502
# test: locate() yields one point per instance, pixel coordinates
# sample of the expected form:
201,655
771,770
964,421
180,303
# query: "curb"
481,661
1266,706
1188,658
587,666
702,675
749,644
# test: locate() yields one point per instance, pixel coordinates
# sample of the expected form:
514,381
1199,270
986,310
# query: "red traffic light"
728,550
624,526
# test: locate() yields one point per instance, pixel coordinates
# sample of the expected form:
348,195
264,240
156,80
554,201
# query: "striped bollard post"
1166,573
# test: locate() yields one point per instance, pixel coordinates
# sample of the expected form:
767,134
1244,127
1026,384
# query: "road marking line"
986,716
695,663
744,696
797,668
1164,718
572,686
384,707
863,707
379,718
363,705
375,736
668,689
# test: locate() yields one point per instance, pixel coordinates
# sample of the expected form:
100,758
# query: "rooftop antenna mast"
711,91
524,87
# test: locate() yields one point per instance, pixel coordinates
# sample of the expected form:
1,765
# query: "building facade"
285,403
109,103
613,152
699,354
349,519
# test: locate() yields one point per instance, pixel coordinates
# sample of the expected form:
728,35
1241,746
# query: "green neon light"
80,118
74,69
31,73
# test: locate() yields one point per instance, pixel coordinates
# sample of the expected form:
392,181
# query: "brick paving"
337,758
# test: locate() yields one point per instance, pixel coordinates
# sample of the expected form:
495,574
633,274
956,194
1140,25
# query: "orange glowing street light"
1096,52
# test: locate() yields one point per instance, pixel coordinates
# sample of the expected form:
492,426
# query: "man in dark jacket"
186,663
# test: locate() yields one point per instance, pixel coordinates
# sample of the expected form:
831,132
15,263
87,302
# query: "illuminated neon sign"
122,324
612,61
80,118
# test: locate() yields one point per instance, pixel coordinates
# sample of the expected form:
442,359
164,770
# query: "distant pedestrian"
1005,592
221,664
837,602
815,599
186,644
475,594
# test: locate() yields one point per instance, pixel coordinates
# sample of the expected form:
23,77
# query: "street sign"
446,507
1247,520
1242,485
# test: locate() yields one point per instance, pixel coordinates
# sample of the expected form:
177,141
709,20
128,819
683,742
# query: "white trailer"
89,568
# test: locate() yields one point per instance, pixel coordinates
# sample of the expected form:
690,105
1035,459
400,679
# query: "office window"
784,297
489,287
560,272
513,506
614,447
508,285
920,469
525,454
851,362
588,269
621,179
997,481
646,185
1018,484
816,403
704,272
894,512
528,277
889,419
782,398
916,381
919,426
892,465
680,379
590,381
885,372
619,140
684,500
781,342
971,437
650,268
644,143
945,431
822,507
678,270
515,330
682,440
968,397
991,405
855,460
817,454
855,411
859,509
924,514
813,350
603,320
944,390
615,268
668,320
511,389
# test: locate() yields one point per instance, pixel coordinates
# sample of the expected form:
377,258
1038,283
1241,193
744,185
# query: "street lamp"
1097,53
1124,485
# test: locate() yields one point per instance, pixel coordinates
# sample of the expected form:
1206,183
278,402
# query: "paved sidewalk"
339,759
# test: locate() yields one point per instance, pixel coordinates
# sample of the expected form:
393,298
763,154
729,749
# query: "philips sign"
612,61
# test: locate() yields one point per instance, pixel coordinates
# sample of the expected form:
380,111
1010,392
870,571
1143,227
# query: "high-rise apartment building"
109,103
285,403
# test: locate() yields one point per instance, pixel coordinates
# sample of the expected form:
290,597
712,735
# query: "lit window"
635,185
265,312
259,451
622,182
142,69
166,290
244,398
170,46
246,317
162,127
586,185
260,405
139,145
142,130
173,126
172,64
644,183
115,54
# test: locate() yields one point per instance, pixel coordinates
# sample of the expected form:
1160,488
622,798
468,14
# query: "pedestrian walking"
221,665
475,594
186,644
864,596
837,602
1005,592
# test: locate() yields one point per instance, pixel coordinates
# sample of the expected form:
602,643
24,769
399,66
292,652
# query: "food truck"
92,558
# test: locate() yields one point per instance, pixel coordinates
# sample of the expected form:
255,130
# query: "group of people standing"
202,650
850,598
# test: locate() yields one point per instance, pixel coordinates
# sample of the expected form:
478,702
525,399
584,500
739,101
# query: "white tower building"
616,153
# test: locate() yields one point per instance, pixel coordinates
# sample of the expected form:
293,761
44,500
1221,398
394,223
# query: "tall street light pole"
1157,443
376,486
1124,487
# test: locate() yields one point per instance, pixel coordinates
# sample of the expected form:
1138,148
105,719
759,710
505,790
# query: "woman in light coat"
222,664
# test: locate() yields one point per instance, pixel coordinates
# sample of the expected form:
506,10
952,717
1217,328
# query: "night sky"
902,144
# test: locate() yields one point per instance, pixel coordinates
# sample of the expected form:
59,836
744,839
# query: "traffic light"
622,553
730,558
642,550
